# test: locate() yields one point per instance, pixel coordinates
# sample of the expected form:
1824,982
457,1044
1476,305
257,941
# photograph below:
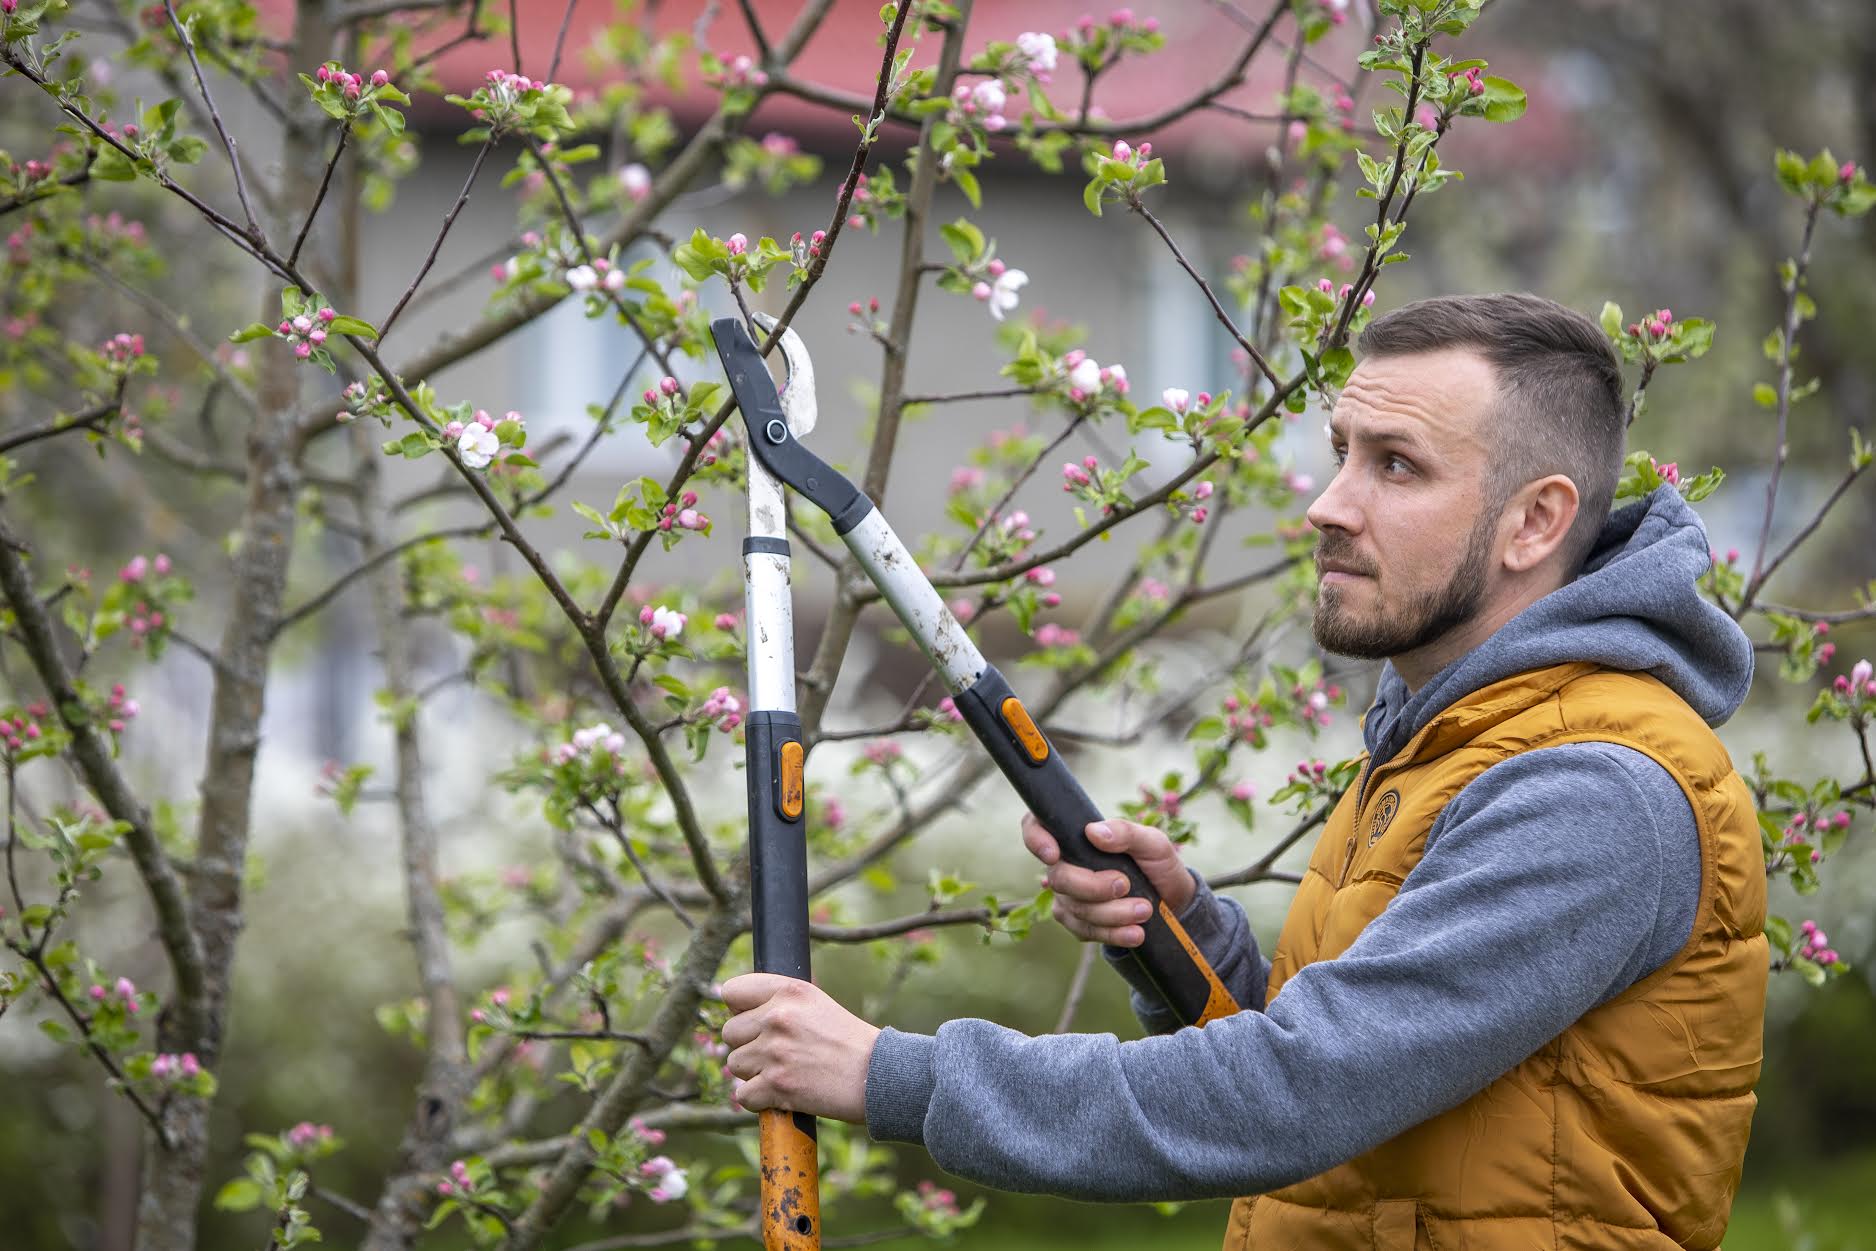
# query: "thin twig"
1134,202
90,419
255,232
1793,288
293,257
294,616
560,43
1077,985
449,220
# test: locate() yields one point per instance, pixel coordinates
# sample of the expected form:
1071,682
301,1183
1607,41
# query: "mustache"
1330,552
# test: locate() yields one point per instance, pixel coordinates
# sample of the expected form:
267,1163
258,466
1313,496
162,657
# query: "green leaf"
239,1195
1612,319
251,332
352,325
1091,195
1766,395
967,183
965,240
1504,100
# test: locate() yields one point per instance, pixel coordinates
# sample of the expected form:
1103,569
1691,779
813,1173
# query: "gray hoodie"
1552,882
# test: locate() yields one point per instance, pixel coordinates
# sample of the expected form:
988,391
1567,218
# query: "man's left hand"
795,1048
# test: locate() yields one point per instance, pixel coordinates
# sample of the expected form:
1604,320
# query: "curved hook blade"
797,391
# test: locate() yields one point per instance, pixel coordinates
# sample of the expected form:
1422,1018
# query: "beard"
1388,630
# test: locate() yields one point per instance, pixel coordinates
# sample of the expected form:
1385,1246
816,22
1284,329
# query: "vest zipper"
1348,862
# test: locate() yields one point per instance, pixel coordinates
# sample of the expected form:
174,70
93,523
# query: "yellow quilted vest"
1628,1129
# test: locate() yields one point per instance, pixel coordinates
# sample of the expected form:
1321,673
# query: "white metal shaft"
918,604
768,601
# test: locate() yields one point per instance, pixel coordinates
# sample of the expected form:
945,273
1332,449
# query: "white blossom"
582,278
478,445
1086,377
1003,291
1038,49
666,623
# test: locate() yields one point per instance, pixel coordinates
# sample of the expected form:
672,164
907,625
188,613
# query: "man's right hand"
1094,905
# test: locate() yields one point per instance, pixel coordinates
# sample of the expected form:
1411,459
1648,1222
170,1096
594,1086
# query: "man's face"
1406,543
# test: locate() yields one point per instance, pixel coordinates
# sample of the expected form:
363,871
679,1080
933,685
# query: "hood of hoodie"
1635,607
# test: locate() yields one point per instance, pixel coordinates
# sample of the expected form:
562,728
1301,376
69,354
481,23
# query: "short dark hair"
1560,395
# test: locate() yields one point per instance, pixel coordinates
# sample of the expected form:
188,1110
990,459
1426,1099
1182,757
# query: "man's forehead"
1440,394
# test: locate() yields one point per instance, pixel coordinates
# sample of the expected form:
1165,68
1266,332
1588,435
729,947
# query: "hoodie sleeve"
1546,887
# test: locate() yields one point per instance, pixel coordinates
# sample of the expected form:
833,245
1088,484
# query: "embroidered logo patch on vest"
1383,816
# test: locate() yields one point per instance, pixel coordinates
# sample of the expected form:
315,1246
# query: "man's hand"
795,1048
1094,906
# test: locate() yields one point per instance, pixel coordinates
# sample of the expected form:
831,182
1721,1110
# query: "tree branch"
97,763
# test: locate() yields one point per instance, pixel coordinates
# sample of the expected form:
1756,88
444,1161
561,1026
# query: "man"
1517,1001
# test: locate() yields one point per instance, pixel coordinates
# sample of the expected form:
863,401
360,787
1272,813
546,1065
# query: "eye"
1404,466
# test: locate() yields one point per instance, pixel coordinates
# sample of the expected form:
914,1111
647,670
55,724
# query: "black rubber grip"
1049,789
778,850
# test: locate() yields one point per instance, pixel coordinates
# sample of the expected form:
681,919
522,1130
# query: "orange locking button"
1017,718
791,796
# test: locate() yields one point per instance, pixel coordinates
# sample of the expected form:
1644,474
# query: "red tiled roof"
1202,42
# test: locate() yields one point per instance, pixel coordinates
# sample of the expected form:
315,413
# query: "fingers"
1118,922
1152,850
1040,842
751,990
1096,905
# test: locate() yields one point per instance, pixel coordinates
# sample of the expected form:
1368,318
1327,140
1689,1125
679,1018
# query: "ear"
1540,516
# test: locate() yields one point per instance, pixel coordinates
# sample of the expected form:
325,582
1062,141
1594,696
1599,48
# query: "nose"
1336,508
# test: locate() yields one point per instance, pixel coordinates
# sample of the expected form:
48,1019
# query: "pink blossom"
1244,791
980,291
1848,172
963,609
1202,491
738,244
1122,152
135,570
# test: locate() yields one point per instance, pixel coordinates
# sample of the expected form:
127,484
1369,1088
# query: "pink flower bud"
98,993
380,78
1122,152
726,621
302,350
1202,491
650,397
1656,329
189,1066
645,615
1848,172
1198,515
738,244
854,308
996,268
1326,286
322,73
126,989
1052,600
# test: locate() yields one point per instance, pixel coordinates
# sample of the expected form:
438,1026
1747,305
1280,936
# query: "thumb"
1152,850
